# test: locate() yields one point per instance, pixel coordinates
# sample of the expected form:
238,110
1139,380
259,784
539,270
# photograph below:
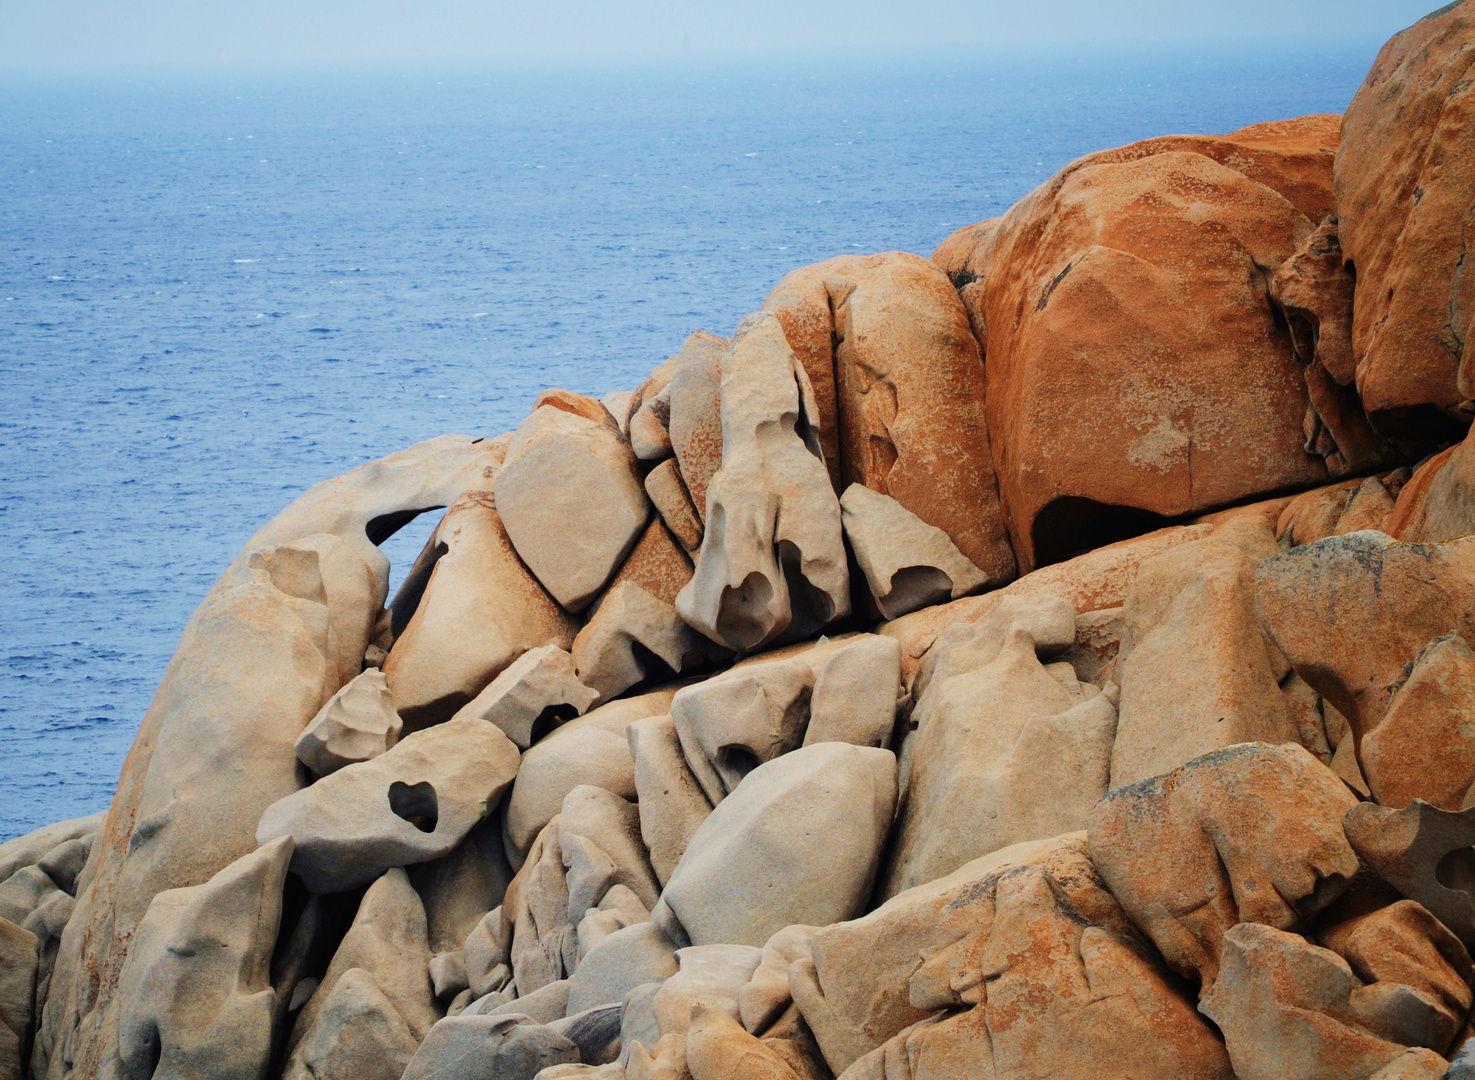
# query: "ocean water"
219,288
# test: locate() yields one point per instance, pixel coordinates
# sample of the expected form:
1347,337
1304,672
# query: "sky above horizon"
73,34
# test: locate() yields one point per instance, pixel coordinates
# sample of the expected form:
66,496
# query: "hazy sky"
84,33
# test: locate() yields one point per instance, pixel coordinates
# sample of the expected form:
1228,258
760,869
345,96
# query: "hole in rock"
408,589
1071,525
810,605
1424,423
738,760
552,717
1457,870
416,803
740,618
914,587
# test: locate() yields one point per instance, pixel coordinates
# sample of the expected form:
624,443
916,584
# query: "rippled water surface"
218,289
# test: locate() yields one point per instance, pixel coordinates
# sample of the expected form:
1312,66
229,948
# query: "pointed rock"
532,696
357,723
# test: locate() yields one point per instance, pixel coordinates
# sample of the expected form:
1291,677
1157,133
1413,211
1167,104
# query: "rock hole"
416,803
554,716
1071,525
916,587
1457,870
1424,423
742,611
737,760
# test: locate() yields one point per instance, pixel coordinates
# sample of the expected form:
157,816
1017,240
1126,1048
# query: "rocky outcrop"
573,805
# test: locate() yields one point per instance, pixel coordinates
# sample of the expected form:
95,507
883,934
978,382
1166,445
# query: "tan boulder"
1405,176
357,723
1422,852
711,976
667,493
798,841
31,848
480,611
1289,1008
1093,288
572,502
717,1048
1447,508
666,1060
388,941
773,561
532,696
1411,504
1196,671
672,805
1005,750
358,1035
599,838
736,721
18,961
637,955
1313,515
696,420
908,564
1367,508
855,693
1350,612
509,1047
1248,834
648,416
575,403
801,304
1314,290
413,803
1423,747
459,888
593,749
196,991
544,945
766,996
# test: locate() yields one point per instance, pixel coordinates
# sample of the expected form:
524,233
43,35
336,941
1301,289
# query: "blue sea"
217,288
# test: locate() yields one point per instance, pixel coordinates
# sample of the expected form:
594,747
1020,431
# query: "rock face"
772,561
18,961
1405,174
696,420
412,804
571,498
1085,289
480,611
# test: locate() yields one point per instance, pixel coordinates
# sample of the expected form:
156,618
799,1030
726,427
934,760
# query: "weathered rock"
1314,290
542,1006
1351,611
19,956
599,837
283,628
672,805
473,1047
532,696
1424,748
617,404
1447,507
907,563
357,723
574,403
196,992
571,498
1195,671
617,909
1421,851
696,421
590,750
855,693
666,1060
460,888
711,976
31,848
636,620
1288,1008
358,1035
731,724
1313,515
647,426
1368,508
1006,749
388,941
1248,834
448,975
766,996
1418,973
1411,505
802,307
1085,289
480,611
717,1048
544,945
798,842
772,561
1405,175
668,494
487,948
626,959
414,803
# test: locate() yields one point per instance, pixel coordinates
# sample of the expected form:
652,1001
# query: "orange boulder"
1405,180
1136,369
